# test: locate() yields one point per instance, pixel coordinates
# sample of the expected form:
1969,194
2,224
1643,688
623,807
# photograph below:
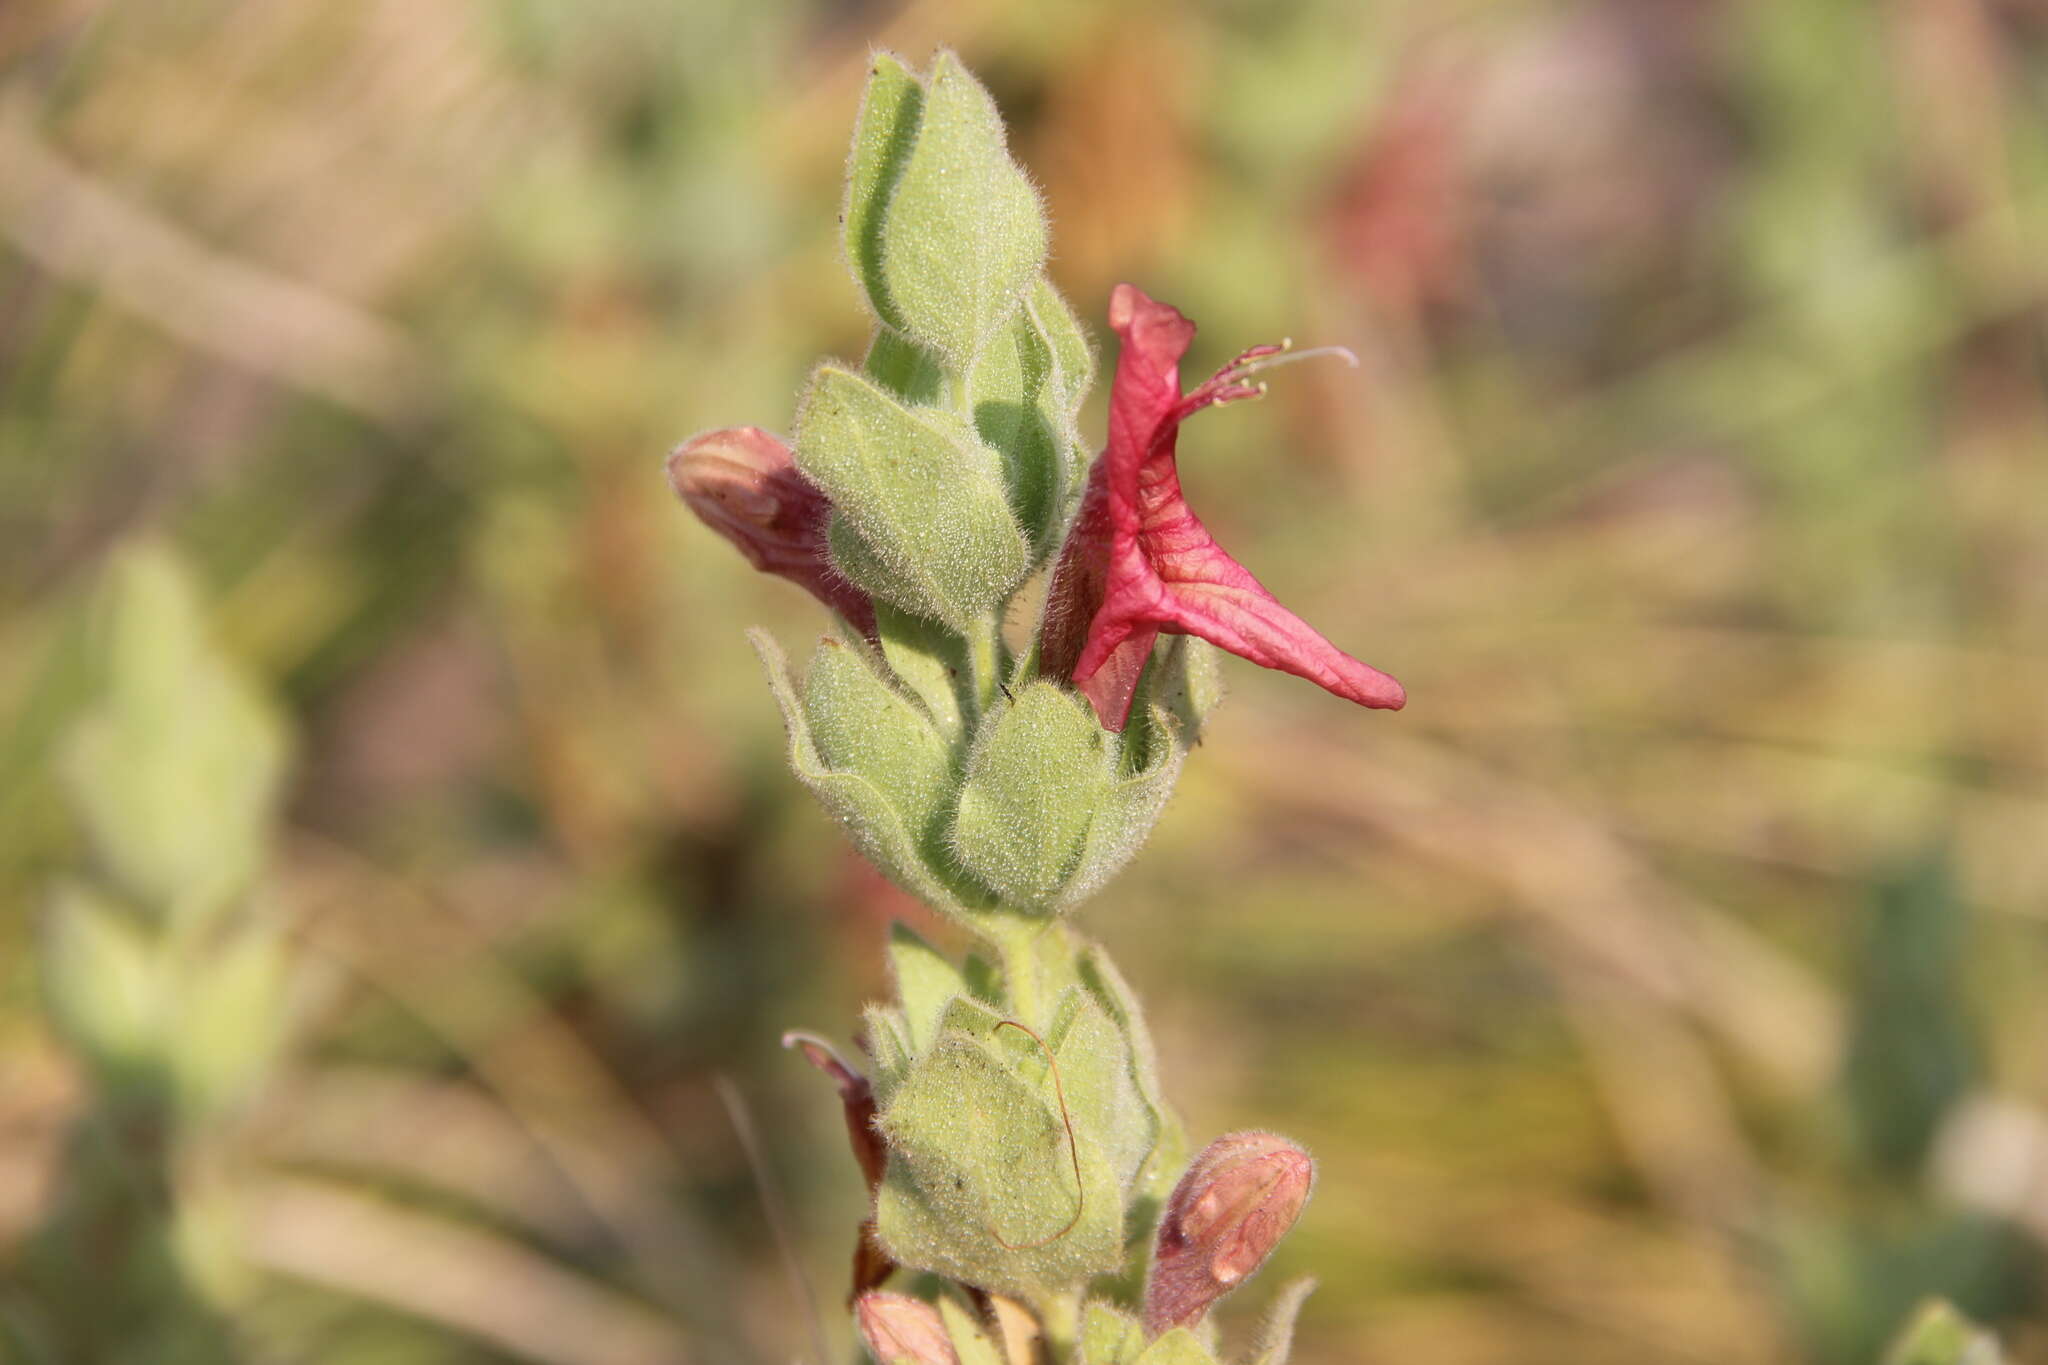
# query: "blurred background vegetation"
1664,985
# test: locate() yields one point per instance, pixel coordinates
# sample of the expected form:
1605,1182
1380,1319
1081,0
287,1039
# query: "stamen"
1247,359
1227,384
1287,356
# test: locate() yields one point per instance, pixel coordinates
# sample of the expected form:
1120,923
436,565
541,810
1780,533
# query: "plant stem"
1018,948
1059,1318
984,660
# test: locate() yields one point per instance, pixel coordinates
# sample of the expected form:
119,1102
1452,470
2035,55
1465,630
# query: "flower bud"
1237,1200
900,1330
744,484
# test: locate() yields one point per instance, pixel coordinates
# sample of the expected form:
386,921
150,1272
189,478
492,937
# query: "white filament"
1289,356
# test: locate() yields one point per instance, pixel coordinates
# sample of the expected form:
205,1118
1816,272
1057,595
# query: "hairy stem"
984,660
1059,1318
1022,971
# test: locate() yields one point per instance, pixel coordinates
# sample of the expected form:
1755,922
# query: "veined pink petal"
1139,561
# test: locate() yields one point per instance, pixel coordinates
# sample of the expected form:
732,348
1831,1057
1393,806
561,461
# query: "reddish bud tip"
743,483
1237,1200
855,1094
900,1330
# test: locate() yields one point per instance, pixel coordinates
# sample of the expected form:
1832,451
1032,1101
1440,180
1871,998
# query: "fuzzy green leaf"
1169,1153
1178,1347
883,136
1110,1337
1188,685
1101,1091
925,984
103,985
1128,806
966,1015
1021,407
981,1187
970,1342
1073,368
1039,770
1179,690
885,1036
920,492
929,660
881,770
1276,1333
175,770
1940,1335
861,724
962,236
227,1023
912,372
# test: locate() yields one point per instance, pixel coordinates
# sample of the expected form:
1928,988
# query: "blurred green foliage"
1693,483
1939,1335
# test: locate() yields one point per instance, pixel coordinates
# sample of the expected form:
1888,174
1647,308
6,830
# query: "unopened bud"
900,1330
743,483
1237,1200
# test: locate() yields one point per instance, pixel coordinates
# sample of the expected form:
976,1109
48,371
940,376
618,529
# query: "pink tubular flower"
1139,561
743,483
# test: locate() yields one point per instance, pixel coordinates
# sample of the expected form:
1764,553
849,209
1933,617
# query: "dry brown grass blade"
1993,1155
472,1281
39,1098
775,1208
442,1134
87,234
1577,881
445,972
1666,1101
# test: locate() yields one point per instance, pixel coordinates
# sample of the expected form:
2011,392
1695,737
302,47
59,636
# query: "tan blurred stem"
41,1094
775,1209
446,972
1636,960
473,1281
1018,1331
391,1123
1571,875
1666,1101
81,231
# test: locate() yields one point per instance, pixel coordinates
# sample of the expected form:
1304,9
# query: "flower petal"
1142,559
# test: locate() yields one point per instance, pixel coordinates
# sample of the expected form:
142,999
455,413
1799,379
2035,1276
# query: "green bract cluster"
953,465
1000,815
1029,1152
986,1183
